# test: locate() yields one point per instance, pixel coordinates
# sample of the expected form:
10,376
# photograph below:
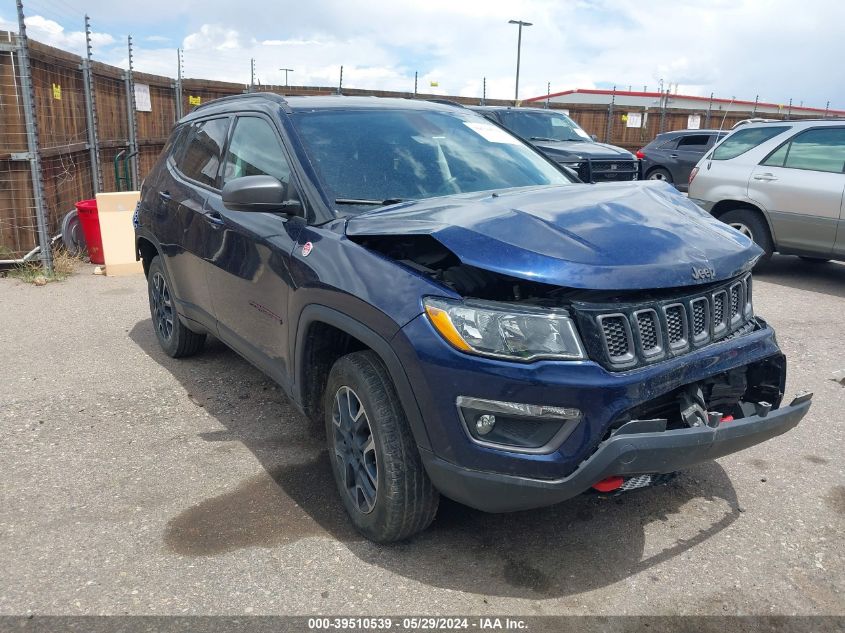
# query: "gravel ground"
136,484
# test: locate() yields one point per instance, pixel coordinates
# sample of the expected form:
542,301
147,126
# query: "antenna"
721,125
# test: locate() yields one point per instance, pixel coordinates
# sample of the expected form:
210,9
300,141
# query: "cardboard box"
115,211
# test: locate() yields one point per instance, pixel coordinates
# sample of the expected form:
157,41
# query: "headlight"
505,331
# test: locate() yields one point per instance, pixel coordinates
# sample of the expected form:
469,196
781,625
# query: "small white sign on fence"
694,122
634,119
142,98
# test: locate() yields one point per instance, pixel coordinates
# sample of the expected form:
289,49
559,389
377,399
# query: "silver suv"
781,183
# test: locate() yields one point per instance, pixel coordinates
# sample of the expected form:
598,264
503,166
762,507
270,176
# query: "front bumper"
632,450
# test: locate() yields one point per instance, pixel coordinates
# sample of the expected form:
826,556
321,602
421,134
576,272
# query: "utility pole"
826,108
252,74
548,93
33,154
415,83
756,101
609,129
483,91
789,111
178,90
91,112
287,70
131,114
519,23
709,110
340,83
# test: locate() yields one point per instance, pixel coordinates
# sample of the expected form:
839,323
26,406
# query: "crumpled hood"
618,236
583,149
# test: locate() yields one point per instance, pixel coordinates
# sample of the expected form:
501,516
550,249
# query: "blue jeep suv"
461,316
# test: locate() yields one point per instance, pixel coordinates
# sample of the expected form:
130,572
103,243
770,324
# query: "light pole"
287,70
520,23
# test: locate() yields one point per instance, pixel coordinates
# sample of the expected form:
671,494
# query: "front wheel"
752,226
375,461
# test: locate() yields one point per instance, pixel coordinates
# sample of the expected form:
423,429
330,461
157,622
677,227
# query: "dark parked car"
460,315
565,142
671,156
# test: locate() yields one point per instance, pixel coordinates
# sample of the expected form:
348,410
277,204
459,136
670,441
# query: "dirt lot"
133,483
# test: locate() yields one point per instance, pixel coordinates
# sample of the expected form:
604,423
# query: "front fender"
315,313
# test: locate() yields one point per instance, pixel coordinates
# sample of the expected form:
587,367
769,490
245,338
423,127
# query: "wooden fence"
60,110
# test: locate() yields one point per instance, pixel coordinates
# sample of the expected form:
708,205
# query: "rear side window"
744,140
176,142
818,150
203,153
694,141
255,151
671,143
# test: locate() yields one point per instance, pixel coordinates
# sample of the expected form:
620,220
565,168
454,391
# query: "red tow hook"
727,418
609,484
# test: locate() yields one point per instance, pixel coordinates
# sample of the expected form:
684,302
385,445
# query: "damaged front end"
638,367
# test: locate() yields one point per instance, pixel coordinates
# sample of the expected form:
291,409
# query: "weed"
64,264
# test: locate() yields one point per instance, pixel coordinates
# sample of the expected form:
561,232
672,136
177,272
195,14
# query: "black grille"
608,170
719,310
735,301
675,324
700,326
622,335
647,326
616,336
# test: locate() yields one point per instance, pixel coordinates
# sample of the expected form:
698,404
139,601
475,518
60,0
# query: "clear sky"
735,48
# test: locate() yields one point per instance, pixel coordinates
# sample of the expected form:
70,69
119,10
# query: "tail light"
693,174
640,154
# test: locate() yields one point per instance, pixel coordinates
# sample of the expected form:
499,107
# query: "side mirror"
260,193
594,137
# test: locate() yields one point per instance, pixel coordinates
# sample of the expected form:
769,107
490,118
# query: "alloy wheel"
355,449
162,307
658,175
742,228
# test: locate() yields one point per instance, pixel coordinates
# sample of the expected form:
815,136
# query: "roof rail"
448,102
272,96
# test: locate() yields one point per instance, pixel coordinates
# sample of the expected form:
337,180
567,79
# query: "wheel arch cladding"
323,336
146,251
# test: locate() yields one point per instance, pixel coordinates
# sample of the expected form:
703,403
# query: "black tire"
814,260
403,501
660,174
175,339
751,224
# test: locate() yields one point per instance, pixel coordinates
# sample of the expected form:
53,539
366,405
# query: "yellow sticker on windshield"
490,132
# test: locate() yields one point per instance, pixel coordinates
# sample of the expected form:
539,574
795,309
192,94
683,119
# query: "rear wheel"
376,463
751,225
660,174
175,339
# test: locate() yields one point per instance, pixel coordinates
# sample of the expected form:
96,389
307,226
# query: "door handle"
213,218
765,177
673,155
165,195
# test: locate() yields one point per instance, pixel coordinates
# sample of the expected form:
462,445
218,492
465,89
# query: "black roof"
486,108
270,100
692,131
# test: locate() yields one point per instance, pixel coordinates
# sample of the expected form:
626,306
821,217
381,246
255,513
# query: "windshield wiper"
360,201
544,138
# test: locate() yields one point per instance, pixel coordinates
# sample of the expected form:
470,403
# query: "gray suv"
781,183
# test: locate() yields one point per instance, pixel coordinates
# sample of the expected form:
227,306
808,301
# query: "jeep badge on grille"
703,273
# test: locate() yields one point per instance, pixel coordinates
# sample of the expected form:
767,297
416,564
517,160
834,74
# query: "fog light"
516,426
485,424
